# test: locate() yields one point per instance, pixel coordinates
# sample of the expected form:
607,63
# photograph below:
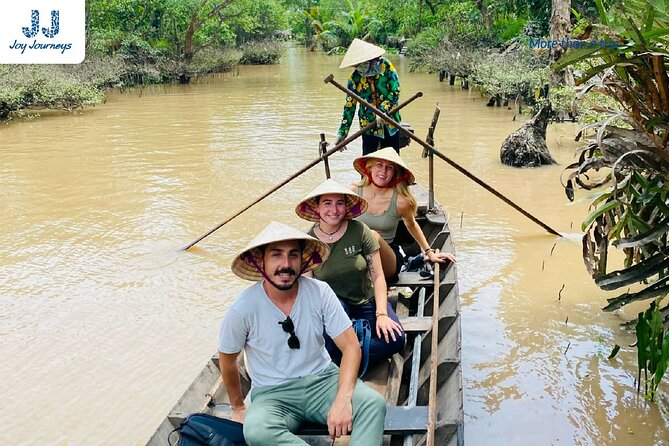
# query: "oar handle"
377,112
301,171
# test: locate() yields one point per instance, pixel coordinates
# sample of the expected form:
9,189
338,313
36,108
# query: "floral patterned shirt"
383,92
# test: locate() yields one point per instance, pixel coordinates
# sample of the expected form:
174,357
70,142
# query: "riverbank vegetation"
625,163
484,42
132,42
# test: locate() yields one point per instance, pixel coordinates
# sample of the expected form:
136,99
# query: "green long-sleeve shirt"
384,94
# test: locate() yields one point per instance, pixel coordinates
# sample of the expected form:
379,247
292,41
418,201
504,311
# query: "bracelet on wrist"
378,313
428,250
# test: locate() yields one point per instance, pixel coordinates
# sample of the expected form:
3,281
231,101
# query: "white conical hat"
247,262
360,51
387,154
307,208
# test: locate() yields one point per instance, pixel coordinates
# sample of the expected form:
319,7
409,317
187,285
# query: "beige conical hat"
360,51
307,208
387,154
247,262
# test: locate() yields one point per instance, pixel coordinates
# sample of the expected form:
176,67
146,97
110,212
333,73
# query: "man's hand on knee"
340,418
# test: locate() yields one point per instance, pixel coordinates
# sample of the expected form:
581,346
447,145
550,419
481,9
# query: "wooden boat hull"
407,398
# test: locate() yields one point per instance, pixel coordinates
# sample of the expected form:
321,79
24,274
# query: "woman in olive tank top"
385,186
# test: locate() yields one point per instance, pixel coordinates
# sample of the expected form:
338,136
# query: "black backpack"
201,429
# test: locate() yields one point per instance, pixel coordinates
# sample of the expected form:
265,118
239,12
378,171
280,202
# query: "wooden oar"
471,176
324,156
434,360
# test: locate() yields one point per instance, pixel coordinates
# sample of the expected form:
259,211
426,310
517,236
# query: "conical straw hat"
308,207
360,51
387,154
247,262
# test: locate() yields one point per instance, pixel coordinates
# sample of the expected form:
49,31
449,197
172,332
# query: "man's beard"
283,286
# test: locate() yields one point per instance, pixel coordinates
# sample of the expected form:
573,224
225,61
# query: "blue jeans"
379,349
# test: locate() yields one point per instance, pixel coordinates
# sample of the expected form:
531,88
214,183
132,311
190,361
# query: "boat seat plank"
414,279
416,324
399,420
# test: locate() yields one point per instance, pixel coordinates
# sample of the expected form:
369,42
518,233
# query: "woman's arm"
392,84
384,325
349,111
414,229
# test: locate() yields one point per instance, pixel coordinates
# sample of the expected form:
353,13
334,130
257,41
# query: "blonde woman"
353,270
385,186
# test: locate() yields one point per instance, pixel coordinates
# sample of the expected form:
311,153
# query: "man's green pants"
277,411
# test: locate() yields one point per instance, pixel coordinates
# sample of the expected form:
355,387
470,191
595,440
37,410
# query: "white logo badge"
42,31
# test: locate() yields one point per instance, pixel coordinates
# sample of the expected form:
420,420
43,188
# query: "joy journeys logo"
42,31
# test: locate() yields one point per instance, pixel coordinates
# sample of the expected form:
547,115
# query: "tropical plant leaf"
636,273
598,213
651,235
659,288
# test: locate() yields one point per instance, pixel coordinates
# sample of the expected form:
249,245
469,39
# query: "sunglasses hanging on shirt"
289,327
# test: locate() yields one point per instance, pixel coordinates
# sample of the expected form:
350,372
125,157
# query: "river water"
104,322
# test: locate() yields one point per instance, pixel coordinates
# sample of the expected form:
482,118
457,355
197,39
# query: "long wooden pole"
434,361
299,172
430,141
322,148
459,168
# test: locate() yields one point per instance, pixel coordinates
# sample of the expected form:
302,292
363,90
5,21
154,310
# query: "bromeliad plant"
629,155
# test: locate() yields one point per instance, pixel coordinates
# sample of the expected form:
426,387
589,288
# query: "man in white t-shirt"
279,322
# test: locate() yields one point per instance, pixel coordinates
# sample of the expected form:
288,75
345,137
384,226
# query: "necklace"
331,234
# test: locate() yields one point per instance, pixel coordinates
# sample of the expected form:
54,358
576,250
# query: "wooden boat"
405,378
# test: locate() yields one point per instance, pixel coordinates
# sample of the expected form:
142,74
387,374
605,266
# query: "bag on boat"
364,334
201,429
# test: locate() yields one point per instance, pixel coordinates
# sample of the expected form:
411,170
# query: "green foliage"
426,42
507,28
630,154
399,19
100,71
261,53
561,99
212,60
582,23
465,24
137,51
181,28
652,349
265,20
354,21
540,14
516,72
43,87
102,41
